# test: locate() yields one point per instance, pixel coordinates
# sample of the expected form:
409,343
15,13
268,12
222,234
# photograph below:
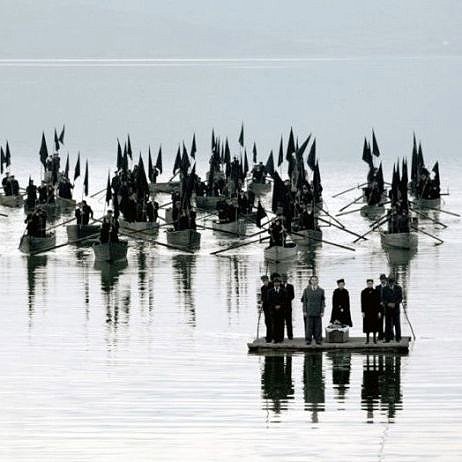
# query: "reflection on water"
184,271
341,369
381,387
35,264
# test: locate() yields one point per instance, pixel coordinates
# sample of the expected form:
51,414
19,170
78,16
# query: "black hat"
264,277
383,276
369,280
391,279
274,276
340,280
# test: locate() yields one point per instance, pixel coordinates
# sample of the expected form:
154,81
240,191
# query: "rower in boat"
258,184
109,229
31,195
11,196
305,229
82,229
229,217
280,248
83,213
36,238
109,248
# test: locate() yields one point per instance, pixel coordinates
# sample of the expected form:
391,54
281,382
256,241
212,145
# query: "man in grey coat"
314,303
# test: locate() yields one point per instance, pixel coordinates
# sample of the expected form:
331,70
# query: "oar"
325,242
60,224
98,193
166,205
216,252
330,216
348,212
439,210
440,241
350,204
349,189
375,225
429,218
407,318
86,238
222,231
3,215
343,229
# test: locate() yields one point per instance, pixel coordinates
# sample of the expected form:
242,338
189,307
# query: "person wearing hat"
341,305
265,288
276,301
392,298
289,288
109,228
370,310
314,303
379,289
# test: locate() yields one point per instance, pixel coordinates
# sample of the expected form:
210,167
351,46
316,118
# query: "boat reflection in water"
184,266
380,386
35,267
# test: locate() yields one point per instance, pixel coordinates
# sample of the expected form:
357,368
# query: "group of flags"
5,157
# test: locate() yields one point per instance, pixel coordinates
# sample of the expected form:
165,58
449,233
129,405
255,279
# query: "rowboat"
428,203
143,227
166,187
63,203
307,237
75,232
51,209
278,253
207,202
11,201
259,188
372,211
31,245
187,238
237,227
399,240
110,251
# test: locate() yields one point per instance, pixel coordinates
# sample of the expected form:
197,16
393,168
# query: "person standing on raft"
341,305
370,309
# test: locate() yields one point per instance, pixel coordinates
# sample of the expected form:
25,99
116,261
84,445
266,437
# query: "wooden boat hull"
166,187
67,204
145,228
259,188
237,227
30,245
307,237
75,232
207,202
11,201
110,251
279,253
187,238
372,211
406,241
428,203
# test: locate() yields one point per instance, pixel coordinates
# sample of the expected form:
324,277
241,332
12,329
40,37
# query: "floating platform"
354,343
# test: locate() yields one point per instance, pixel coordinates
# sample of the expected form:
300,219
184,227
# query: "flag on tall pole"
159,160
77,167
108,189
85,179
193,147
2,159
66,168
241,136
254,152
129,148
375,146
7,155
311,161
56,142
61,135
43,151
281,153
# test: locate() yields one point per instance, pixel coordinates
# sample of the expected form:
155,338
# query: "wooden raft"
354,343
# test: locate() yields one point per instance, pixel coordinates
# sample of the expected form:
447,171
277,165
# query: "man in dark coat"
380,288
370,309
289,288
277,300
265,288
392,298
341,305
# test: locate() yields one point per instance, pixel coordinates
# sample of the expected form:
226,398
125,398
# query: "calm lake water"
148,360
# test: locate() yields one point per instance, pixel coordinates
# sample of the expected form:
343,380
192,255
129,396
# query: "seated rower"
109,229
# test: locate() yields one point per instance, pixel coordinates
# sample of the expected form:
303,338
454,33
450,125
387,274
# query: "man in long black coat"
289,288
341,305
380,290
392,297
277,300
265,288
370,309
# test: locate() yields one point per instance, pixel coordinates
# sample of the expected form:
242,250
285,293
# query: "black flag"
56,142
241,135
436,171
43,151
120,159
246,164
159,160
108,189
193,147
177,164
254,152
213,140
150,166
375,146
227,156
129,148
66,168
185,163
367,156
311,161
61,135
77,167
7,155
260,214
281,153
290,145
142,185
2,159
269,167
302,148
85,179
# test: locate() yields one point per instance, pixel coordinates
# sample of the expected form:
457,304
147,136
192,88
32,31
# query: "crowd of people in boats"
10,185
380,308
